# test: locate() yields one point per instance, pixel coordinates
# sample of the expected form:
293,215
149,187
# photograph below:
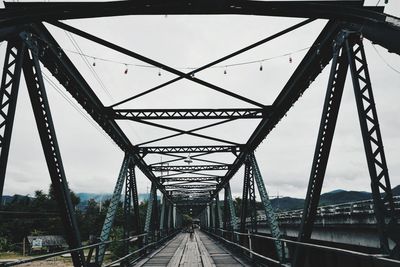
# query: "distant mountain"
337,196
8,199
85,197
336,191
342,196
396,190
287,203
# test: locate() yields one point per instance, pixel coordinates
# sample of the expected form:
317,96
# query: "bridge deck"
192,251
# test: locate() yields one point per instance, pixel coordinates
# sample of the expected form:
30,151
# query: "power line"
90,67
85,116
384,60
95,58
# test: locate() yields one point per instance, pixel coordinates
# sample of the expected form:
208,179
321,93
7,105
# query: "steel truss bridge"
31,47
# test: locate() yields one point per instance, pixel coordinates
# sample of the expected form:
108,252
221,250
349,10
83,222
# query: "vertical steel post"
326,131
232,214
162,216
127,211
8,101
384,207
226,211
169,220
149,213
44,122
252,201
212,213
217,213
208,216
269,211
112,209
245,196
135,198
174,216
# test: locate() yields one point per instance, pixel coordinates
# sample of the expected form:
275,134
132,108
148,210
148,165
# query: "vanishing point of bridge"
194,184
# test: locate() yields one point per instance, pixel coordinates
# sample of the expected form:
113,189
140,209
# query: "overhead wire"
93,71
85,116
384,60
90,67
258,61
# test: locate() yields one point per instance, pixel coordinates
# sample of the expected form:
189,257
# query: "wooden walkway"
196,250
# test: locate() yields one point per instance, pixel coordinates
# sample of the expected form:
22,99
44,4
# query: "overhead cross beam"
188,149
178,114
191,179
190,168
193,186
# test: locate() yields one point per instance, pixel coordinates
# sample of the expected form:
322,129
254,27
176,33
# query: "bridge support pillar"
208,216
8,101
112,208
149,223
386,216
348,51
163,214
44,123
217,220
269,211
174,216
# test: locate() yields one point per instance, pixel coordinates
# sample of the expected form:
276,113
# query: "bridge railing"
132,240
364,207
259,248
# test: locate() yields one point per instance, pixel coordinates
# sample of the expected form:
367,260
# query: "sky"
92,161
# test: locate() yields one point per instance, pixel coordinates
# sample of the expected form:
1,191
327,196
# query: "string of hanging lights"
96,60
224,67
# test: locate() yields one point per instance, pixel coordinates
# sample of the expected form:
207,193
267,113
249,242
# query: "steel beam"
312,64
188,149
323,145
252,198
245,196
142,58
8,101
44,123
149,213
61,67
127,209
387,220
231,208
176,114
135,199
193,186
269,211
191,179
112,208
191,168
26,12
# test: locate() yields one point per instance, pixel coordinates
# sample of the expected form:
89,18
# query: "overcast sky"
92,161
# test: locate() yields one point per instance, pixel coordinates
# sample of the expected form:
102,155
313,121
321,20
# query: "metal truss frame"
8,101
326,131
269,211
44,122
22,22
177,114
188,149
149,222
349,53
112,208
387,218
193,168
